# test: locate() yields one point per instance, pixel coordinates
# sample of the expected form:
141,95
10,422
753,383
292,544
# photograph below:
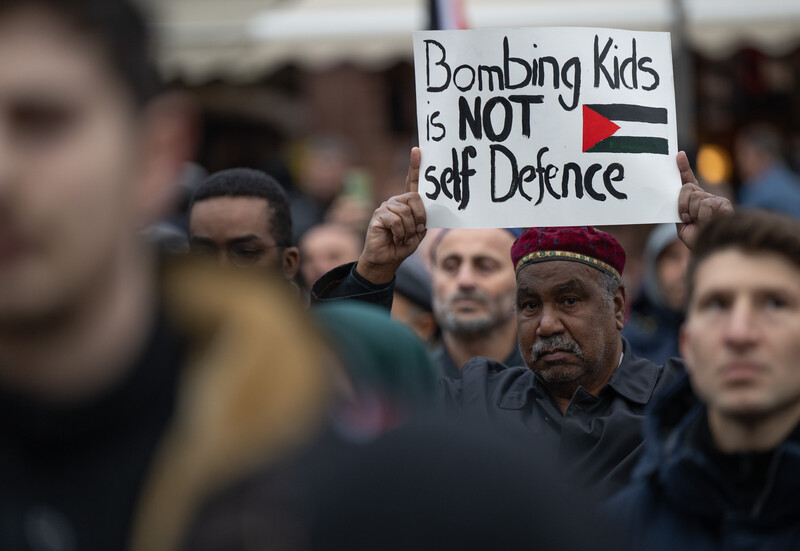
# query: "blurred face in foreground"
473,281
77,173
741,340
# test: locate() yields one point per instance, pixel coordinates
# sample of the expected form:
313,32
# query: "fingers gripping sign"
395,231
695,205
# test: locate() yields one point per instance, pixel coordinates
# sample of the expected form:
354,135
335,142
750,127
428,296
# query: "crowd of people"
361,383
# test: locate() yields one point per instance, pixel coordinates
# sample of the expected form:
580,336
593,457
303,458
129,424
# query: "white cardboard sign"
546,127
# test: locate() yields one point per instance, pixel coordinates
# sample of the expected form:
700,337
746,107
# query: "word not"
480,121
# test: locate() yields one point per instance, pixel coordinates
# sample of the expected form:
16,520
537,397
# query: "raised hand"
695,205
395,230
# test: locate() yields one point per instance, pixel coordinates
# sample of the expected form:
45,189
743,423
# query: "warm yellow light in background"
714,165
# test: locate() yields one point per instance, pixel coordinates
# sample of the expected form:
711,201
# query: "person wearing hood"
658,312
720,468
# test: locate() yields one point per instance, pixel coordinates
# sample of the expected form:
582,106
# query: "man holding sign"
546,127
582,396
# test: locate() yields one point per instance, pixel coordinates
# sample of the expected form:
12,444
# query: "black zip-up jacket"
688,495
597,441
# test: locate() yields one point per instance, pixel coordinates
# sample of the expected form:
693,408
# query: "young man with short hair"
131,388
722,455
581,395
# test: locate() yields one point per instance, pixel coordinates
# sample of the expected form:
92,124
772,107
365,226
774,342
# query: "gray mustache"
473,295
555,343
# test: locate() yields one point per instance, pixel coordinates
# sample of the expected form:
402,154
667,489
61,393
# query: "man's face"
568,331
235,231
741,340
70,154
324,248
473,281
671,267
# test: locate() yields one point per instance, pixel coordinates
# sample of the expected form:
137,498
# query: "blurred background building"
269,76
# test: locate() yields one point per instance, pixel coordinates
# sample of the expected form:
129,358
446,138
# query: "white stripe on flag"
631,128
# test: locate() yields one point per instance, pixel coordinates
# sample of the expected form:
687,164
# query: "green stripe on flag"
631,144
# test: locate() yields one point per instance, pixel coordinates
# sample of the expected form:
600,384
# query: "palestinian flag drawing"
639,129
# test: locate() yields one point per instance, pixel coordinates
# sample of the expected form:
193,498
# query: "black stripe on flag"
632,113
631,144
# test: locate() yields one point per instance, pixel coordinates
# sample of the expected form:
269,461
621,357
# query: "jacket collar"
691,480
635,378
524,382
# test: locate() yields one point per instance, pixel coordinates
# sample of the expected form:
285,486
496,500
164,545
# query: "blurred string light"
714,164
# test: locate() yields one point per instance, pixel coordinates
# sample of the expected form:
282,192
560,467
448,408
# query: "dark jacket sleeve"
343,282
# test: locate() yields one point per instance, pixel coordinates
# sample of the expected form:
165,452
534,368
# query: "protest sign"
546,127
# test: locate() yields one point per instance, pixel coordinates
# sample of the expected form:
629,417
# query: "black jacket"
687,495
448,368
597,440
344,283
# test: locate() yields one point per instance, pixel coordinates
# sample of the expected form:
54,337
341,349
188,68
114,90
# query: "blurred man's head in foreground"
741,340
88,153
241,217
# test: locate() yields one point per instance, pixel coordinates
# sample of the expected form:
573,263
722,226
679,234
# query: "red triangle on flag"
596,128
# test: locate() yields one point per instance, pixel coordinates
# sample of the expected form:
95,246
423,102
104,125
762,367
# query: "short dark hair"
248,182
122,34
748,231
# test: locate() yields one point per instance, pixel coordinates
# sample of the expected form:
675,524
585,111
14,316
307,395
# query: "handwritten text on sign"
546,127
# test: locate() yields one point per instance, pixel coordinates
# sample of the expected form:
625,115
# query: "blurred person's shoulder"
255,388
458,486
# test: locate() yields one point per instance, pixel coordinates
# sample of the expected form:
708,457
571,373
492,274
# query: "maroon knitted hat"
578,244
